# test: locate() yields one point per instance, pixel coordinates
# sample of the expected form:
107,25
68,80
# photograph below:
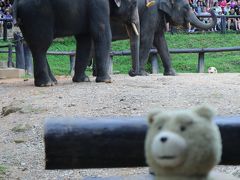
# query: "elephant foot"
170,72
44,80
106,79
53,79
81,79
133,73
143,73
44,83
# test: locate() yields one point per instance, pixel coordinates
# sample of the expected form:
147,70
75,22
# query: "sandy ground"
21,131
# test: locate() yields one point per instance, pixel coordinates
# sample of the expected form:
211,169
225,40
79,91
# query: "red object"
223,3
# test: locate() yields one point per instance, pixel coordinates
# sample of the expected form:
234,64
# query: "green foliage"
224,62
3,170
4,56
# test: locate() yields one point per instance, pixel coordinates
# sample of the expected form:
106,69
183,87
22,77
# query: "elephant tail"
14,12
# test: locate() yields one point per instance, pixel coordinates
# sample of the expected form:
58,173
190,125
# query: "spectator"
232,20
218,11
233,3
205,13
5,12
223,4
211,3
191,3
198,8
237,7
227,9
190,27
237,10
217,8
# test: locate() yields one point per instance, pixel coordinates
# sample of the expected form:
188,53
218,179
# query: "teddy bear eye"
182,128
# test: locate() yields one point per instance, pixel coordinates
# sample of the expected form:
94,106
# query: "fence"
153,55
201,55
23,53
115,142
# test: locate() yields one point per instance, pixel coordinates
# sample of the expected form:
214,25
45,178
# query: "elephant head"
126,12
181,13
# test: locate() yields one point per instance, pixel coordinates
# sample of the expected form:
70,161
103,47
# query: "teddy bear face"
168,149
182,142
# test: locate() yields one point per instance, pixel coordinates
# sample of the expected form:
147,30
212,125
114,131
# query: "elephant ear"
166,6
118,2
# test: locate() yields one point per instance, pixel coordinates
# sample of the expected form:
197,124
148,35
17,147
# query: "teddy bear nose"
163,139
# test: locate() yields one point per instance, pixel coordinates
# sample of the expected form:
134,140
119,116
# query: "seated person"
227,8
232,20
205,13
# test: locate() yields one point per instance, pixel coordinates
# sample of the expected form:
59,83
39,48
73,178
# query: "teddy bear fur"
183,145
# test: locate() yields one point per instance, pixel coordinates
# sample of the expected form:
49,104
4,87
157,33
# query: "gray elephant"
152,24
88,20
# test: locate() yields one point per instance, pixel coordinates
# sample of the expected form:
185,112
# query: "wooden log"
115,142
213,175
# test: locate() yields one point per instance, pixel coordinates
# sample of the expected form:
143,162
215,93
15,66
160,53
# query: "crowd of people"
5,8
5,13
200,7
221,7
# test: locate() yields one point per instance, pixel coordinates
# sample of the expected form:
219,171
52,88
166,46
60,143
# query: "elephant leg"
42,73
162,47
41,69
39,39
101,32
145,47
82,58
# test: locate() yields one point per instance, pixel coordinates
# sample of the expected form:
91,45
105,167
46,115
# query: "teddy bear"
184,144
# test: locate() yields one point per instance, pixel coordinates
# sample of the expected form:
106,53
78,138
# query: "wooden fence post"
5,30
20,62
110,65
154,61
10,63
28,59
201,62
72,64
223,24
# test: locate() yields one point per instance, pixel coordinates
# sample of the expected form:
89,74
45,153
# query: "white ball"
212,70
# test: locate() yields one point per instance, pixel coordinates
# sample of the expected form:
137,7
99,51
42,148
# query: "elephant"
152,24
41,21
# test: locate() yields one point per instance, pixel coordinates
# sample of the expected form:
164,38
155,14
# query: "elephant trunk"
199,24
133,30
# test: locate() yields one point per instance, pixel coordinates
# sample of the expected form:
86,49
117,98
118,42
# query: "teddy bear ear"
205,111
152,114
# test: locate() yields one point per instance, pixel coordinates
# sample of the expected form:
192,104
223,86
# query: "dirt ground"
25,108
